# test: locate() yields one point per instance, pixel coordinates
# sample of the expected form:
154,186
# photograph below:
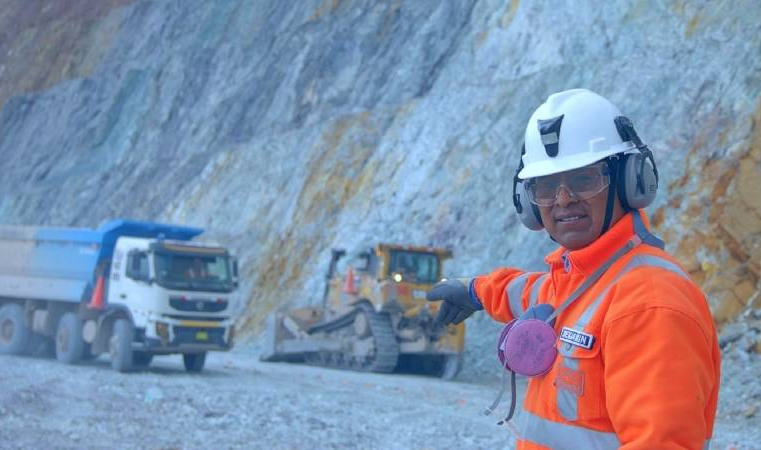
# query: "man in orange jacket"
617,340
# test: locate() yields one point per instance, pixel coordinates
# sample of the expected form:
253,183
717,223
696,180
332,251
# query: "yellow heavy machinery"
374,316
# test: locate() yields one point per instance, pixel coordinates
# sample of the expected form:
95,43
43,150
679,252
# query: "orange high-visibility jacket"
651,377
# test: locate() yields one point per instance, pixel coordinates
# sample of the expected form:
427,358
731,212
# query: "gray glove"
457,304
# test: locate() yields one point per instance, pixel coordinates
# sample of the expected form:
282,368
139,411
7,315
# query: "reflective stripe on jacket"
649,379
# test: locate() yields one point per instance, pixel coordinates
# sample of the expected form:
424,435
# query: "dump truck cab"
131,289
178,293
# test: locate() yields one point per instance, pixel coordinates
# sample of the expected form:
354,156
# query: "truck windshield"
415,267
193,272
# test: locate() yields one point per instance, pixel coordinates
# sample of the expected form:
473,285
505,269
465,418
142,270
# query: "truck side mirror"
235,272
137,266
132,261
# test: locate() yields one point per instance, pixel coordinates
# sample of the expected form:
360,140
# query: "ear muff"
637,175
528,212
639,183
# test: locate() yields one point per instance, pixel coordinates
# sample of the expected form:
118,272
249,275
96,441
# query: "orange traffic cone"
349,287
96,302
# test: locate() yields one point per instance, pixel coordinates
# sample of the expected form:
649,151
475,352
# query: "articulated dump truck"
374,316
130,289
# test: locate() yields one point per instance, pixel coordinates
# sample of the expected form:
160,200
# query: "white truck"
132,289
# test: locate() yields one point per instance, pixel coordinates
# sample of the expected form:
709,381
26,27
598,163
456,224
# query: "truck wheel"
142,359
14,334
69,344
194,361
120,345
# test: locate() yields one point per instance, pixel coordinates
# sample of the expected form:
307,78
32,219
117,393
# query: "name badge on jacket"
577,338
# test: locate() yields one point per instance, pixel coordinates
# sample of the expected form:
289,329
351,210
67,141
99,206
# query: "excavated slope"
287,128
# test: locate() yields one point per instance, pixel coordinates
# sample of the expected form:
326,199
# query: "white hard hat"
572,129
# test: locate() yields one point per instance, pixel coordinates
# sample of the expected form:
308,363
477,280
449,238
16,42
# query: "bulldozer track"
386,350
386,347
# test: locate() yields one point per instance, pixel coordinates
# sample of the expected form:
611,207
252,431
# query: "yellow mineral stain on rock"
280,269
692,26
678,7
325,7
656,219
509,15
718,234
636,10
389,19
340,172
481,37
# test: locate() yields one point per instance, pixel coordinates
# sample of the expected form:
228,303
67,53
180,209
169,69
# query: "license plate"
417,293
202,336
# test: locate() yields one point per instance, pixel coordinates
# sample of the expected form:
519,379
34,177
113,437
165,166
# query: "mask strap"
513,399
513,390
502,389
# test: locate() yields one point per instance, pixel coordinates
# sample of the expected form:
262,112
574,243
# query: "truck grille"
197,305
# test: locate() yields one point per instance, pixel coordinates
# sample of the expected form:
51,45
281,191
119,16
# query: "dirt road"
239,402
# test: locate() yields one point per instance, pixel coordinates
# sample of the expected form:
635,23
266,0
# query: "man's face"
575,217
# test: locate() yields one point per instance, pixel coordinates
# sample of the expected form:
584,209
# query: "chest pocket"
577,381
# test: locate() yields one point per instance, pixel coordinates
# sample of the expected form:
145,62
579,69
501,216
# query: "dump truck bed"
59,263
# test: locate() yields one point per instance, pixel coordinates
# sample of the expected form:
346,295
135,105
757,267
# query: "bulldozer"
374,316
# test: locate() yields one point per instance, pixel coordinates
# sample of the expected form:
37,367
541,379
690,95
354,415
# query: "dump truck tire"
14,334
120,345
69,345
194,362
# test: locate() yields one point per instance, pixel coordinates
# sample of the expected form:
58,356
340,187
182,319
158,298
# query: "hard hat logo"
549,129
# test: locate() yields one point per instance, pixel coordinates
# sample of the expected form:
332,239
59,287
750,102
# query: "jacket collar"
586,260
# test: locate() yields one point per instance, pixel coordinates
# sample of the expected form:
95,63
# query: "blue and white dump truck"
132,289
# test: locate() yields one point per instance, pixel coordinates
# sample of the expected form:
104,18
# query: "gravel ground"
738,425
239,402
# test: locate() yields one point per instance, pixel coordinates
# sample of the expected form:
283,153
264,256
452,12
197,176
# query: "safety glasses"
582,184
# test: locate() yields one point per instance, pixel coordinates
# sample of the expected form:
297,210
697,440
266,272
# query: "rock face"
286,130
